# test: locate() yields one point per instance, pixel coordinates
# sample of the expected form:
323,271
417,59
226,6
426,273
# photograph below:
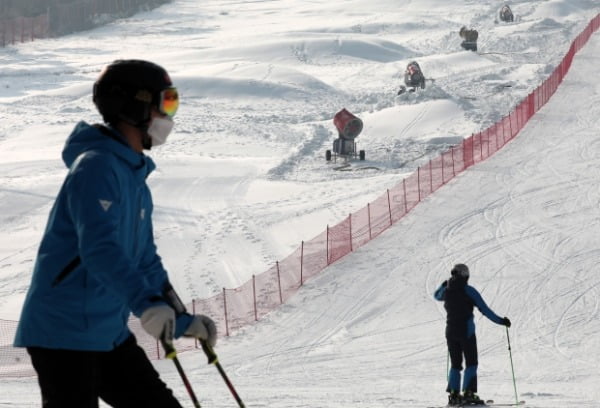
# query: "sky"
243,180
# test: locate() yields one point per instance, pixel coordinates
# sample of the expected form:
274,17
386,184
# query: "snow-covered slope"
243,180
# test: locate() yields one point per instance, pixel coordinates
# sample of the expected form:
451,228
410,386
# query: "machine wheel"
328,155
361,155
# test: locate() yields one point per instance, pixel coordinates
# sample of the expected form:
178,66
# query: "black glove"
506,321
444,284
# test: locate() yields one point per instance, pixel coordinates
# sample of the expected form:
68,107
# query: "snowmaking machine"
469,37
413,78
348,127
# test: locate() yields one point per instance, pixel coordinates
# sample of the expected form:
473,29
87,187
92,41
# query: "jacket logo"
105,204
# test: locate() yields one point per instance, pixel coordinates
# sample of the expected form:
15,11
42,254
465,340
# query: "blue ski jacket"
97,261
459,300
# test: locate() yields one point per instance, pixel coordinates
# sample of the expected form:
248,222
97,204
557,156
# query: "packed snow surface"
243,180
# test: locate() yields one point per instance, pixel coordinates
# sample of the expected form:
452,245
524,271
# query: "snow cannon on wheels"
348,127
413,78
469,37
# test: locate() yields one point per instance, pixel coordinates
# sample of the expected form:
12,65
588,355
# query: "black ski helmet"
127,89
460,270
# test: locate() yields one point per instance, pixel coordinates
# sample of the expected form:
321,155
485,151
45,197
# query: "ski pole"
512,368
213,359
171,354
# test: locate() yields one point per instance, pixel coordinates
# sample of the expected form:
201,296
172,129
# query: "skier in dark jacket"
459,299
413,78
98,263
506,14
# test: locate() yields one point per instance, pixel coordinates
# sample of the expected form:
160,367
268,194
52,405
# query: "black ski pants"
458,347
123,378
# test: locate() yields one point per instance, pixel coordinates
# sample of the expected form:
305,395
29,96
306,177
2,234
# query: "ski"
488,403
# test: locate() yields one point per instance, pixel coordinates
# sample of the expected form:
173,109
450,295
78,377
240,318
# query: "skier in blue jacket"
97,262
459,299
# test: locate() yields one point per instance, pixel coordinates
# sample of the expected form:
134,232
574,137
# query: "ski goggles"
168,102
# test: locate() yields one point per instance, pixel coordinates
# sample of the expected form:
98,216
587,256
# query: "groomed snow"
243,180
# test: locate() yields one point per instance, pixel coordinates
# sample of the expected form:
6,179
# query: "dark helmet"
460,270
506,13
127,89
413,67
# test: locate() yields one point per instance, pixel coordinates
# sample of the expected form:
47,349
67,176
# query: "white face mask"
159,130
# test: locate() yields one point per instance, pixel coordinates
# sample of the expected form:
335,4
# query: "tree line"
32,8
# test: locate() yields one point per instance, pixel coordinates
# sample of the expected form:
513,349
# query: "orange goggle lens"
169,102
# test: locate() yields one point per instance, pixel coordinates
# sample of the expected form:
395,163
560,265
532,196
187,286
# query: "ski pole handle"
170,352
210,353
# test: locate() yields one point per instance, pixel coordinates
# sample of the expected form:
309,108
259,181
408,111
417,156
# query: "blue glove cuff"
182,322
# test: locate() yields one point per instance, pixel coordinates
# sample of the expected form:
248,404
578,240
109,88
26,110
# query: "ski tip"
491,403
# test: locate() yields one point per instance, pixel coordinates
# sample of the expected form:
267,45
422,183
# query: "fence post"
194,312
405,203
545,86
430,177
389,205
443,178
279,283
530,106
301,263
453,169
419,183
254,296
225,310
369,216
350,220
327,245
464,148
